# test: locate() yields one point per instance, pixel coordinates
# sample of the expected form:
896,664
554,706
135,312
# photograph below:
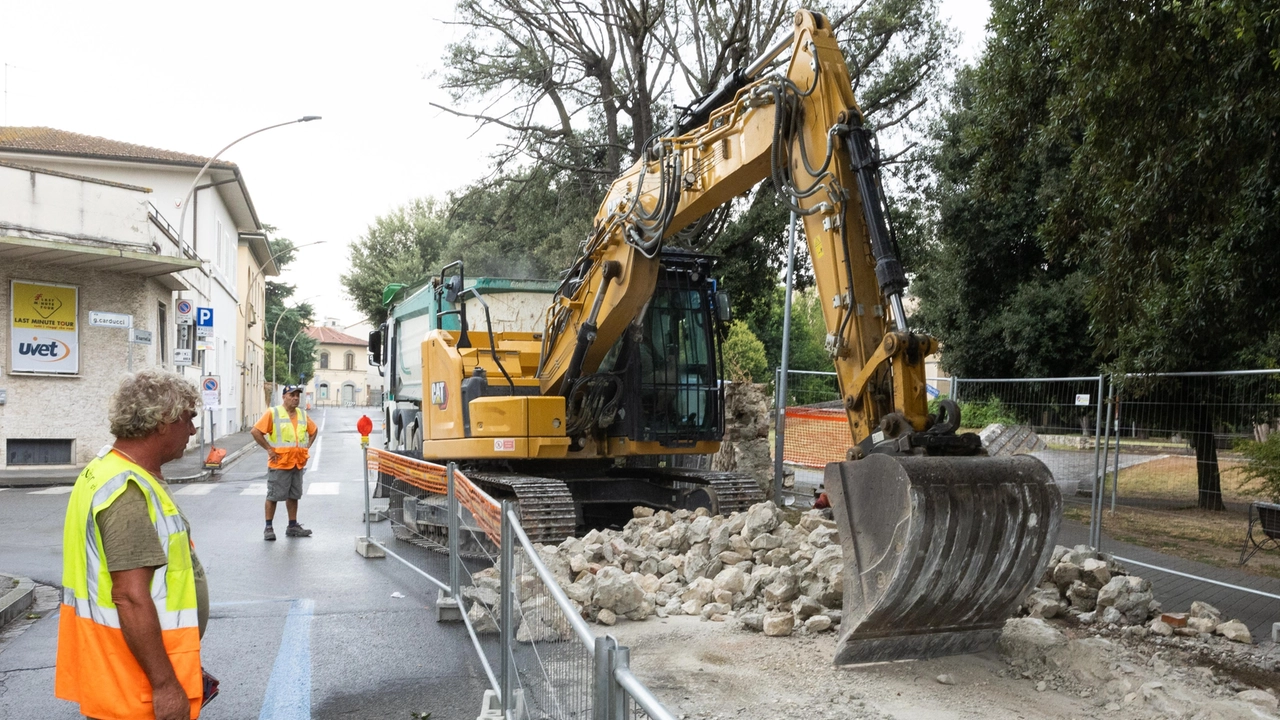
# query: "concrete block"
367,549
447,608
1275,632
16,596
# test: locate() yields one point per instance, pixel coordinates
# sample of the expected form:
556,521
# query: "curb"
17,600
208,472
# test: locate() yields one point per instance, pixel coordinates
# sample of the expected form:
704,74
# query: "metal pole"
778,402
1095,506
603,678
203,414
621,659
454,580
779,431
1115,478
505,592
1106,455
364,445
130,368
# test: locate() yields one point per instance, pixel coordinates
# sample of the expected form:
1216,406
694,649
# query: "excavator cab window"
672,367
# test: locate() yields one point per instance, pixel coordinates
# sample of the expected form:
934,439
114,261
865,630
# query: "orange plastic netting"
432,478
815,436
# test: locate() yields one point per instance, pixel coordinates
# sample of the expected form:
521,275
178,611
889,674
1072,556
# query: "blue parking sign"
204,317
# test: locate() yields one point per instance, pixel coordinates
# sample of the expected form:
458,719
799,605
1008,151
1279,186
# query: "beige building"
254,266
342,369
94,274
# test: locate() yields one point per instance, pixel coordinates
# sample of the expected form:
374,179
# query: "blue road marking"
289,689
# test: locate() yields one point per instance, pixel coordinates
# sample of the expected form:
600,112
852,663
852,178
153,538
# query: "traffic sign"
185,311
181,357
211,388
110,319
140,337
204,317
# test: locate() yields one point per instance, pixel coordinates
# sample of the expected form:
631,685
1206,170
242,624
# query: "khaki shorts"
284,484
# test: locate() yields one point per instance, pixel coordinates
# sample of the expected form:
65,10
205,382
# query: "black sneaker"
297,531
269,533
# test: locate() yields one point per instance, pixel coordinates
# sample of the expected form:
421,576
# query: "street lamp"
245,316
275,347
191,190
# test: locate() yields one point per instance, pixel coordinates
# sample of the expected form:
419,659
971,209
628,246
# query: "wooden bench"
1264,529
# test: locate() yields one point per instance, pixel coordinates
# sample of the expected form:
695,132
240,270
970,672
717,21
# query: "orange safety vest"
288,442
95,667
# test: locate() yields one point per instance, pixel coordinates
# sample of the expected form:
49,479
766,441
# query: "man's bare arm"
131,592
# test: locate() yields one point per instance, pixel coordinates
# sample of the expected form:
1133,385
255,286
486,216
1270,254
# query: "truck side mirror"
723,310
453,289
375,346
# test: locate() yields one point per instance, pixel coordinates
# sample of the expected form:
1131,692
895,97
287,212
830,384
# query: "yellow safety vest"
95,667
290,445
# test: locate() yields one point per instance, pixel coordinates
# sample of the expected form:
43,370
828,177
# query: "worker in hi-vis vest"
134,598
286,433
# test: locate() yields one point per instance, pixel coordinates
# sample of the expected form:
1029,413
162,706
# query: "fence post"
779,425
603,678
1115,478
452,505
621,660
506,593
955,388
1095,505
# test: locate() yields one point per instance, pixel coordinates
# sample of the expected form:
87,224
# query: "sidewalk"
188,468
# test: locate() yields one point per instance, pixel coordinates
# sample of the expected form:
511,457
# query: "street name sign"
98,318
140,337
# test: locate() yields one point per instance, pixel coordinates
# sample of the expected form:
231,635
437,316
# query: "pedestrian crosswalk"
258,489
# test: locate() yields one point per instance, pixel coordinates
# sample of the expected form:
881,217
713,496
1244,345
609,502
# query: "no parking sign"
211,388
185,311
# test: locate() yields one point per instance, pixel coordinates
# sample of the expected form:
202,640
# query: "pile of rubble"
1091,587
776,577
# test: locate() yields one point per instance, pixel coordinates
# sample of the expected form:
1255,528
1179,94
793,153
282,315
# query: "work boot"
297,531
269,533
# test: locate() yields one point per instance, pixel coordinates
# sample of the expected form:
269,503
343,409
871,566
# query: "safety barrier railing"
540,656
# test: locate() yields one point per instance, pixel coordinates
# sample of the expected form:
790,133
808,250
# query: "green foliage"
402,246
744,356
980,414
1121,160
284,322
1263,468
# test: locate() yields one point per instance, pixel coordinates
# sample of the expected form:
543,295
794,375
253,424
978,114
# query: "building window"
324,361
350,361
38,452
162,330
324,391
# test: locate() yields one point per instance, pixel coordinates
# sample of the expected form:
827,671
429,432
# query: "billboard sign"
43,330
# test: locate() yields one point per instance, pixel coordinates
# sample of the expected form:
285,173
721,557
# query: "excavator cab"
669,360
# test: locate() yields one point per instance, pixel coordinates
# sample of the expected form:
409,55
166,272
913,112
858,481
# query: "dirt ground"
705,670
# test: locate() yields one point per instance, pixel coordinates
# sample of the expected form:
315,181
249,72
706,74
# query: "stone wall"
748,418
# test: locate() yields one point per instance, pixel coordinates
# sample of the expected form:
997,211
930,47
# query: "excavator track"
546,507
734,492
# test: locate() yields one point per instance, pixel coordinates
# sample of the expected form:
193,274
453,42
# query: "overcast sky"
192,78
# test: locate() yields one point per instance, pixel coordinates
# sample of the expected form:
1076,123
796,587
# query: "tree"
286,321
1117,163
744,356
403,246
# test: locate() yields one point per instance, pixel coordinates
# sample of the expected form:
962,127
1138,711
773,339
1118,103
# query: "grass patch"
1213,538
1174,478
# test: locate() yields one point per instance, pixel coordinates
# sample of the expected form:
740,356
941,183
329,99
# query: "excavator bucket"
938,551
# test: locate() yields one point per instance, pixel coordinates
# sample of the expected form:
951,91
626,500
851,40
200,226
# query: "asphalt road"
299,628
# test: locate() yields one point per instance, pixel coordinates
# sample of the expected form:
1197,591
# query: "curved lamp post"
249,289
186,200
275,347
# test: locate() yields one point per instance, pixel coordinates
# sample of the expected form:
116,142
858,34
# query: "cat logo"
439,397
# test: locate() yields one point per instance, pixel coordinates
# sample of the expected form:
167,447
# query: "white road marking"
313,461
59,490
202,489
323,488
255,489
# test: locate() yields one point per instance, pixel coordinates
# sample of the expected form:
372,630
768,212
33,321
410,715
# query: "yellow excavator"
586,416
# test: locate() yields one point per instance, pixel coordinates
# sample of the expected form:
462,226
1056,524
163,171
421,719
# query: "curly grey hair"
148,399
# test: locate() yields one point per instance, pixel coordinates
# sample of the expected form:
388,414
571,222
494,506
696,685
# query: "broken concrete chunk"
779,624
1236,631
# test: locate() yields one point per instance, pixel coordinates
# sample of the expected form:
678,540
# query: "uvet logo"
44,350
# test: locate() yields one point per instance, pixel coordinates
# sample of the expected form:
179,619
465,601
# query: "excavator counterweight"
938,551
